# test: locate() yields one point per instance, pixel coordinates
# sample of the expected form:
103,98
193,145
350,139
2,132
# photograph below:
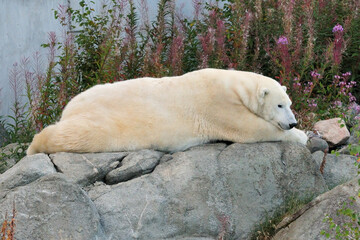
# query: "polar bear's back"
145,93
115,97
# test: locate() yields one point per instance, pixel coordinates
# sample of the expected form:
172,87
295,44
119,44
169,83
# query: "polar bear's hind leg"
68,136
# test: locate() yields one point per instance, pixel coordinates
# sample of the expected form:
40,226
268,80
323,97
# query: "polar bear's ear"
263,92
284,87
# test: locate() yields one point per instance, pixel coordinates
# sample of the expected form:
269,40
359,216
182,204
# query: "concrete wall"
24,26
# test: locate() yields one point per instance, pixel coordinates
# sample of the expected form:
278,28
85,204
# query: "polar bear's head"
274,106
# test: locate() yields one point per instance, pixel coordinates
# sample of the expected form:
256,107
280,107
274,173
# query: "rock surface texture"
206,192
53,208
338,169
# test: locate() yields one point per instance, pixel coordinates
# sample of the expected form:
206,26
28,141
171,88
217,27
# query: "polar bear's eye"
280,106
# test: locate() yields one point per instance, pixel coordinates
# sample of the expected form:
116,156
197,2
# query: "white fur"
172,114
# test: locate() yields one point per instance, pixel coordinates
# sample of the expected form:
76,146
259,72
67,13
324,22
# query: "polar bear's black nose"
291,125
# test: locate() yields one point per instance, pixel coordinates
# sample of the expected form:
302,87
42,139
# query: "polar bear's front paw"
297,135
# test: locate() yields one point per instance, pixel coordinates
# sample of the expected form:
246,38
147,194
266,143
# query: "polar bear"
173,114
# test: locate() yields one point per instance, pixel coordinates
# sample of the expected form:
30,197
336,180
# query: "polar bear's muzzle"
285,118
287,126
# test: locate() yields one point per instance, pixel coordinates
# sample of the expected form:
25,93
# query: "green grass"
267,229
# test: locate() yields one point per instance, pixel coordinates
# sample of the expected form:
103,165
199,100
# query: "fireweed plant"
310,46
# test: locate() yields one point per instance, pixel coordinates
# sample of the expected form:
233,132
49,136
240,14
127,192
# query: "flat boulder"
309,221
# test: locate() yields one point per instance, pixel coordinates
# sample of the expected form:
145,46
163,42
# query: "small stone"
333,131
134,165
354,138
317,144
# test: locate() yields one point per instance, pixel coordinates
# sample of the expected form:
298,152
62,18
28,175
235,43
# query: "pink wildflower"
308,87
282,40
297,84
346,74
337,103
351,97
338,32
315,74
312,103
337,28
282,45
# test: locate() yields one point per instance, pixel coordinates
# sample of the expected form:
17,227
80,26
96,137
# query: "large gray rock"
268,173
26,171
308,223
53,208
85,169
338,169
212,191
202,191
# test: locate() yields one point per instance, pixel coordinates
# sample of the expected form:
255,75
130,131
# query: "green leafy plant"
350,229
18,125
